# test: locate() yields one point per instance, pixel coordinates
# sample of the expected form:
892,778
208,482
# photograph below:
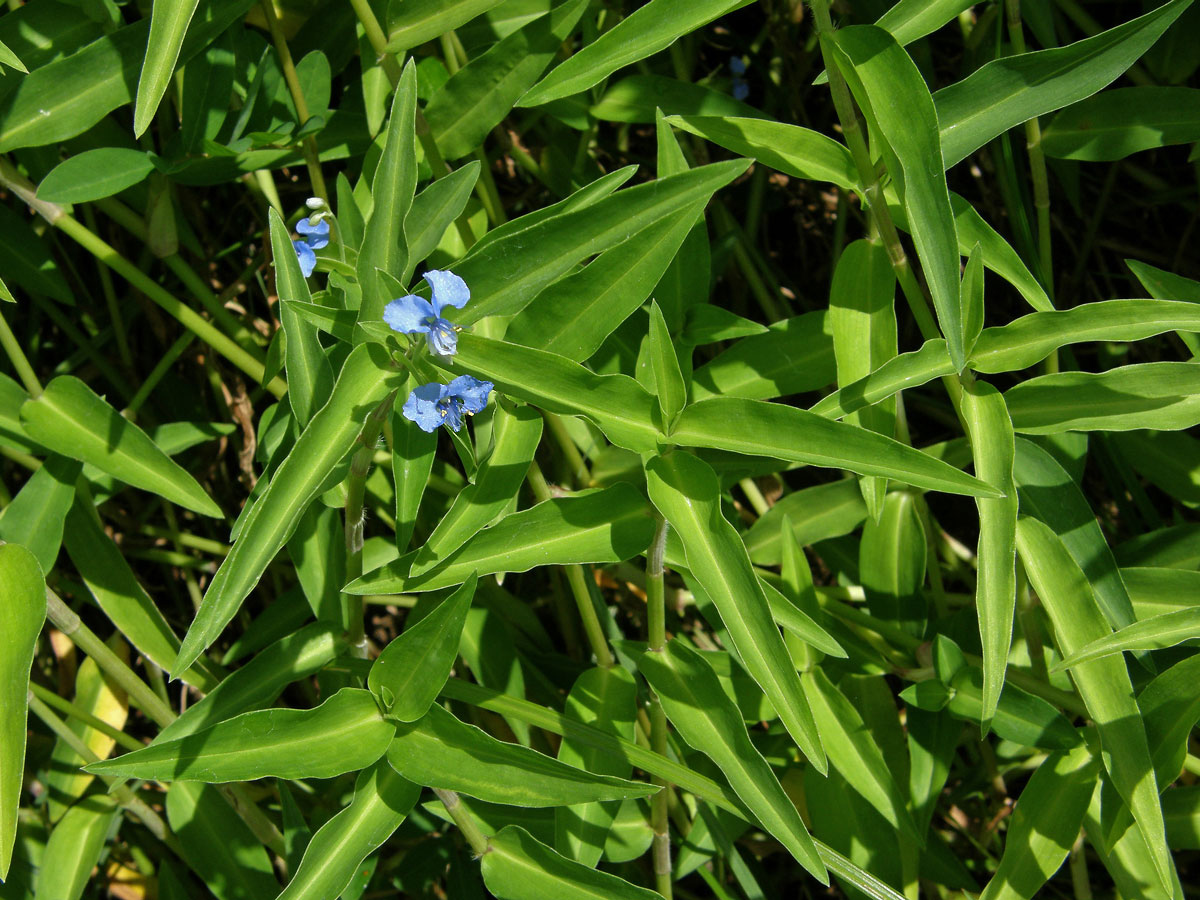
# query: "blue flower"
435,404
737,65
741,90
314,237
413,315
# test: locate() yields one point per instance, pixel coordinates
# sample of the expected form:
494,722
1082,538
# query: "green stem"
377,39
356,483
158,372
110,300
575,462
1037,161
308,145
20,362
125,796
656,635
454,808
140,694
66,706
578,584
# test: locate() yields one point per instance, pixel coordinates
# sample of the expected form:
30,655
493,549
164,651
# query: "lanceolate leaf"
381,801
1044,825
686,492
886,82
298,480
506,273
1117,123
1014,89
992,446
596,526
516,866
784,432
412,669
645,31
1162,395
707,719
71,419
1154,633
1102,683
907,370
21,616
344,733
440,751
169,21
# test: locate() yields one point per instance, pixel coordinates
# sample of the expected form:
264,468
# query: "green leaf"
169,21
262,679
309,375
385,245
1047,491
1013,89
686,492
992,447
36,516
892,558
507,273
217,845
862,317
644,32
907,370
1044,826
515,436
819,512
482,93
21,618
605,698
1171,707
709,721
1103,683
413,668
440,751
71,94
609,525
909,20
574,315
1019,716
889,87
75,846
668,380
414,22
636,98
619,406
381,801
1118,123
971,292
344,733
1159,395
1165,630
801,624
853,751
71,419
1030,339
11,59
95,174
412,461
784,432
433,210
518,867
331,434
790,149
792,357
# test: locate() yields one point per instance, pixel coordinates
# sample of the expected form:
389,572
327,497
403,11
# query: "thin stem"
656,635
66,706
1037,161
356,482
110,300
578,584
309,144
575,461
140,694
20,362
462,818
159,372
377,39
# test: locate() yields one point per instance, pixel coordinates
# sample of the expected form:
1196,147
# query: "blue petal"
453,418
308,259
422,407
316,236
737,65
409,314
741,90
472,392
448,290
443,339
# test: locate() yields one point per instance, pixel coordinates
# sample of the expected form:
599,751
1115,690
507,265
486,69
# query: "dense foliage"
586,448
